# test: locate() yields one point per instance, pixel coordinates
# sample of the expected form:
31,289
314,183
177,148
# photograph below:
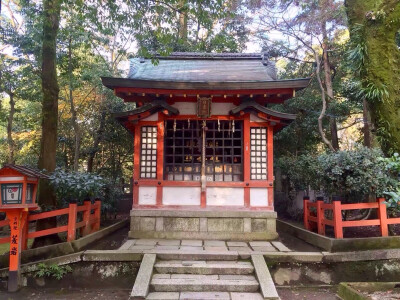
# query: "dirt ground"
75,294
296,293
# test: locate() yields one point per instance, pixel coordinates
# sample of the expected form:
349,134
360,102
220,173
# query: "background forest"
56,115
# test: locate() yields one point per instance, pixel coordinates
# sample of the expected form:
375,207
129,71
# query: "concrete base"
216,224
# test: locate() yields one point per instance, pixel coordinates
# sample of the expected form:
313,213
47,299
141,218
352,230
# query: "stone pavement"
154,245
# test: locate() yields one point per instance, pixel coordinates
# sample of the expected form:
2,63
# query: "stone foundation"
203,224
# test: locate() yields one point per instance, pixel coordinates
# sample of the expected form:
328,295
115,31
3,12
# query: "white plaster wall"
221,108
258,197
153,117
10,178
189,108
254,118
181,195
185,108
223,196
147,195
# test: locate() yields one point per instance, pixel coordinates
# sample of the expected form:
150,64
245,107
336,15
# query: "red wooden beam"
48,214
50,231
127,90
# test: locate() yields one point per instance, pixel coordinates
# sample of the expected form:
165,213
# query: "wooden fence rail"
90,222
314,214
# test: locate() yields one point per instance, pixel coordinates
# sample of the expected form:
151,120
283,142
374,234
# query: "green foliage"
357,54
76,185
393,199
392,165
81,185
55,271
350,174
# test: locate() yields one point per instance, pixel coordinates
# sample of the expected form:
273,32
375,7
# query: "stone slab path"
155,245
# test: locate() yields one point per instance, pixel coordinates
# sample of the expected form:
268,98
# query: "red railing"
314,214
90,222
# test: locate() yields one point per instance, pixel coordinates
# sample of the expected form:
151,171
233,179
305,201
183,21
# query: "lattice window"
148,155
224,144
258,153
223,150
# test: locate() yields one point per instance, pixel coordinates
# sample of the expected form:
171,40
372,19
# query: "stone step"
199,283
203,296
205,267
196,255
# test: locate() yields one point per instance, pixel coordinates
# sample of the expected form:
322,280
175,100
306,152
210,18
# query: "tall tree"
307,26
375,54
50,90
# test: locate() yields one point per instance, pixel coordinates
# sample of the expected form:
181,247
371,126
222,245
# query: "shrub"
350,174
76,185
79,186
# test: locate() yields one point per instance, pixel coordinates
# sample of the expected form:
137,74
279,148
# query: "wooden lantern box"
203,144
18,186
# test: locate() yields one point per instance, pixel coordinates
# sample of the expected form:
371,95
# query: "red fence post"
337,219
306,199
97,215
320,217
86,217
382,215
71,233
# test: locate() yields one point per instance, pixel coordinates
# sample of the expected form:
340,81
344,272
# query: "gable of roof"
27,171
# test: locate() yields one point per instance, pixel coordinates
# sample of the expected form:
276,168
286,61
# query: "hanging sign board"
203,107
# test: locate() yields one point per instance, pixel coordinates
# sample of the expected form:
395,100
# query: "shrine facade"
203,144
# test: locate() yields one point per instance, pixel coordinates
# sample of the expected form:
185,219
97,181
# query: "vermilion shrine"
203,144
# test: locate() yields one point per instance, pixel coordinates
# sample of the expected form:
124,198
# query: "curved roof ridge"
210,55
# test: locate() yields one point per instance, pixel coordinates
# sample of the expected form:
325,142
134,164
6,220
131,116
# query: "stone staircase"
203,279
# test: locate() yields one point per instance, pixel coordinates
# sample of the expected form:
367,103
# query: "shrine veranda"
203,144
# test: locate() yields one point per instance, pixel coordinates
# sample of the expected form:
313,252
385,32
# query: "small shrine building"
203,144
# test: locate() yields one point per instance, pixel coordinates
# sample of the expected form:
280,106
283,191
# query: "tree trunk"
11,144
48,146
182,21
328,84
367,126
324,102
380,21
74,117
98,137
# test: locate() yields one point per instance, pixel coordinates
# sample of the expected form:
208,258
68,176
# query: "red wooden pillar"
71,234
97,215
246,160
382,215
337,219
306,212
16,223
320,216
160,158
86,217
136,165
270,160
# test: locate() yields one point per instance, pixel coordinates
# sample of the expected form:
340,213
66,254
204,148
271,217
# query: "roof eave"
112,83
